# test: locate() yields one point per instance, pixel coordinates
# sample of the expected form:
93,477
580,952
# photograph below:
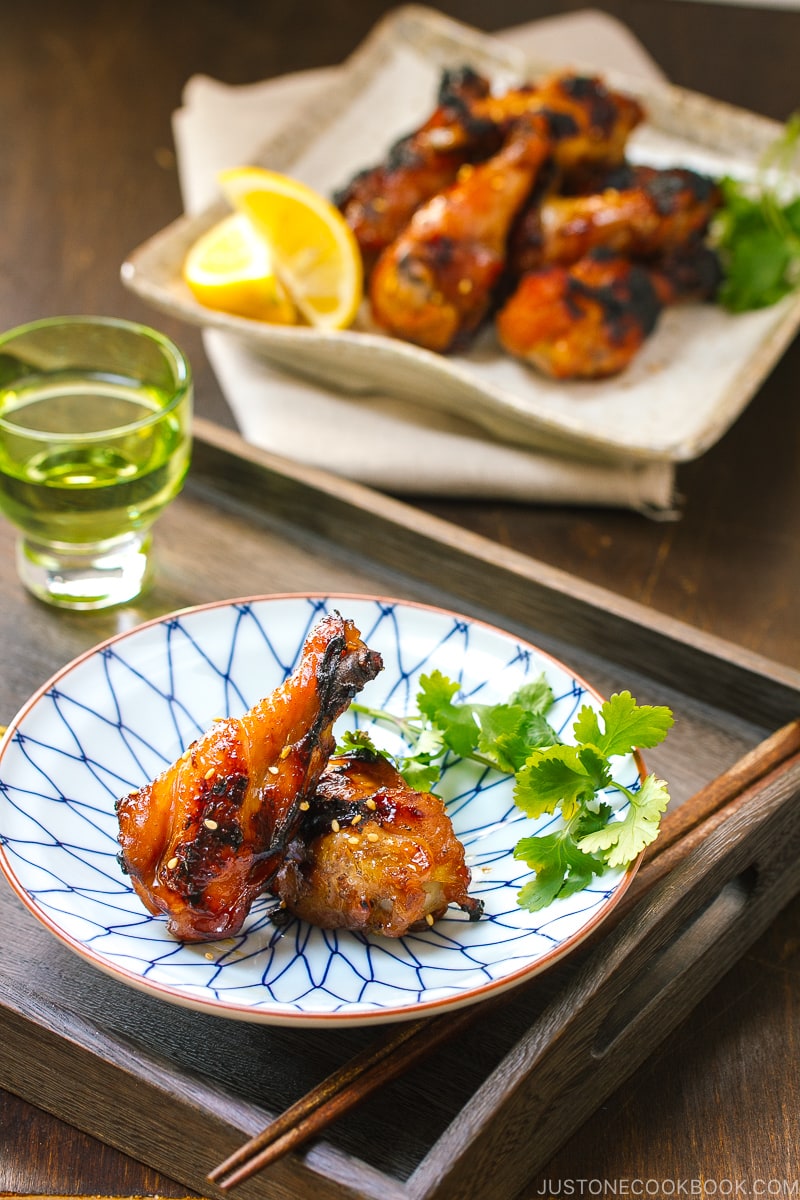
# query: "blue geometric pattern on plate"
119,714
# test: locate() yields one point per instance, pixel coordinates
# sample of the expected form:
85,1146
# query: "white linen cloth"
394,445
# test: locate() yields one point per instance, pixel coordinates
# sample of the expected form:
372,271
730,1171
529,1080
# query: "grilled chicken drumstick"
655,212
435,283
379,201
587,320
590,122
204,838
467,126
372,854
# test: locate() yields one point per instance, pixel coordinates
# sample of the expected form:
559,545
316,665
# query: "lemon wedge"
230,268
316,255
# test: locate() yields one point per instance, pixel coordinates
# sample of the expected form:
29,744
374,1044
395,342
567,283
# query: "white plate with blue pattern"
117,715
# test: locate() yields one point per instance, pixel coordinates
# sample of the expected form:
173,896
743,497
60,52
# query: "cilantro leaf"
560,864
435,693
561,776
359,742
757,267
459,729
419,774
509,733
624,840
430,743
626,725
534,697
757,230
455,722
504,734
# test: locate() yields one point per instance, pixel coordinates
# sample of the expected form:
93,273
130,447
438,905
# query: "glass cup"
95,439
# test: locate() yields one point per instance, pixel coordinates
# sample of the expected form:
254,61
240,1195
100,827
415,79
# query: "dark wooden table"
87,171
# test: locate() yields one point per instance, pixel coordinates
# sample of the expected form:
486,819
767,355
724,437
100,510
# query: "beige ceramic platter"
691,381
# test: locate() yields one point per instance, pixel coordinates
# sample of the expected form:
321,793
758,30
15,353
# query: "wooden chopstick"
284,1129
681,830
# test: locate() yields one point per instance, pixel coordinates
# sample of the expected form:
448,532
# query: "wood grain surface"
88,171
85,1049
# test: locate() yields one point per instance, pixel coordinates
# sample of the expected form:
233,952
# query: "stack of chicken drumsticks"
522,207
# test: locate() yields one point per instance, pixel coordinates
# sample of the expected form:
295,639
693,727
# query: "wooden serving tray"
180,1090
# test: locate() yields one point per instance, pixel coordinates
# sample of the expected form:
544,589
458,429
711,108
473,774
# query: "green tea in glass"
95,437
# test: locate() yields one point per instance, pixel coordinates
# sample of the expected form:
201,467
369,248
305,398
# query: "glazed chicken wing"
657,211
588,320
374,855
204,838
435,283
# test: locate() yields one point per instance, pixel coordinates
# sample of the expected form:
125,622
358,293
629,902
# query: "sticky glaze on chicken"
204,838
468,125
379,201
435,283
588,320
374,855
657,211
591,123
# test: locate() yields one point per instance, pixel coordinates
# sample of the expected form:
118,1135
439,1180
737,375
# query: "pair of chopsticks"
681,831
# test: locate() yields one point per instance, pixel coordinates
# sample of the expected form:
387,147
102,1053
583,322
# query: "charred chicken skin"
590,122
588,320
379,201
204,838
435,283
530,189
585,321
658,211
468,125
373,855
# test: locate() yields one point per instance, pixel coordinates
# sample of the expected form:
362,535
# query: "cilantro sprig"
570,779
757,230
499,736
550,776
